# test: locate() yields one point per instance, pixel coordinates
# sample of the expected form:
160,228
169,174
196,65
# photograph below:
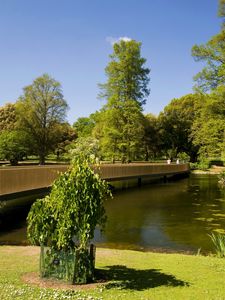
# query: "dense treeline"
191,127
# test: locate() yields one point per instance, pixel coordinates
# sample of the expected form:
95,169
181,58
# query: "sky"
71,40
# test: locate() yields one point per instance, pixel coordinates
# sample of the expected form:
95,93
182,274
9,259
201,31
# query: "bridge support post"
139,181
165,179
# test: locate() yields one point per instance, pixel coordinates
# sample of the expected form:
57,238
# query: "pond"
174,216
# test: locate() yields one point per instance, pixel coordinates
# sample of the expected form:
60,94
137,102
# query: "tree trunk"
42,159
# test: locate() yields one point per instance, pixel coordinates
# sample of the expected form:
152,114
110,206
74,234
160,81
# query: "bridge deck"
19,179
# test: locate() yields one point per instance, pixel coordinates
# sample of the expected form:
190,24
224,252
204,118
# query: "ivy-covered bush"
66,219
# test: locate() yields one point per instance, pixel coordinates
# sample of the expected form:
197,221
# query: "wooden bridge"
26,178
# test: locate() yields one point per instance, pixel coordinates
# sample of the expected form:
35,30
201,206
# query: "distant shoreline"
214,170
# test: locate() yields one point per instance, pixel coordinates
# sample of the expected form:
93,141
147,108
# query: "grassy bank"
130,274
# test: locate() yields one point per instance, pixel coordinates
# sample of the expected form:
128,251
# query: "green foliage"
84,126
183,157
127,77
69,215
122,123
213,53
203,164
67,135
57,264
152,141
122,132
86,145
65,264
176,125
41,111
7,117
13,146
66,219
219,244
209,127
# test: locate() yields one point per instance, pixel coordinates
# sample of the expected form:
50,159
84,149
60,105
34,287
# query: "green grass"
131,275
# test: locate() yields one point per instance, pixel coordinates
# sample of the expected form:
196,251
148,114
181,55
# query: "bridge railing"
18,179
126,171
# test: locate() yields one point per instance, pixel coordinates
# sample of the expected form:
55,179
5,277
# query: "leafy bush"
203,165
66,219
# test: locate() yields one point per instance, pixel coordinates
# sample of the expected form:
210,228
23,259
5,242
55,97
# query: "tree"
66,219
213,53
208,130
122,132
13,142
126,92
13,146
7,117
41,109
176,125
84,126
67,136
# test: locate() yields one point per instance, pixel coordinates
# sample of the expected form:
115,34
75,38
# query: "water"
176,216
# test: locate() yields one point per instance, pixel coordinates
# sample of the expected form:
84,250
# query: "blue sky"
69,39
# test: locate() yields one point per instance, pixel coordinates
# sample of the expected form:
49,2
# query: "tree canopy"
213,53
176,124
40,110
208,131
7,117
13,146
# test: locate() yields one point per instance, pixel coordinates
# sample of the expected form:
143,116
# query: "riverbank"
126,275
214,170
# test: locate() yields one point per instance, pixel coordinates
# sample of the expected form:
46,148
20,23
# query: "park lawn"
131,275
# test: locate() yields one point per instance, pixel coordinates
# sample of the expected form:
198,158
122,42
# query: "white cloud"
113,40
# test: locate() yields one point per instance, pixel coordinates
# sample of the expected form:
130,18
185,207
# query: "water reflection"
177,215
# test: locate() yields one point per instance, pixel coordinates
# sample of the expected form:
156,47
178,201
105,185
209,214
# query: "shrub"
203,165
66,219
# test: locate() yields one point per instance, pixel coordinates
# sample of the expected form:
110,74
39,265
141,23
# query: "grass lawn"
131,275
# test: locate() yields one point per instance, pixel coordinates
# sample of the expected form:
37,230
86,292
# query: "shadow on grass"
139,280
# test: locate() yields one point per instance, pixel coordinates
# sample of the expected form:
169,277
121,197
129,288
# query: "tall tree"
126,92
213,53
41,109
